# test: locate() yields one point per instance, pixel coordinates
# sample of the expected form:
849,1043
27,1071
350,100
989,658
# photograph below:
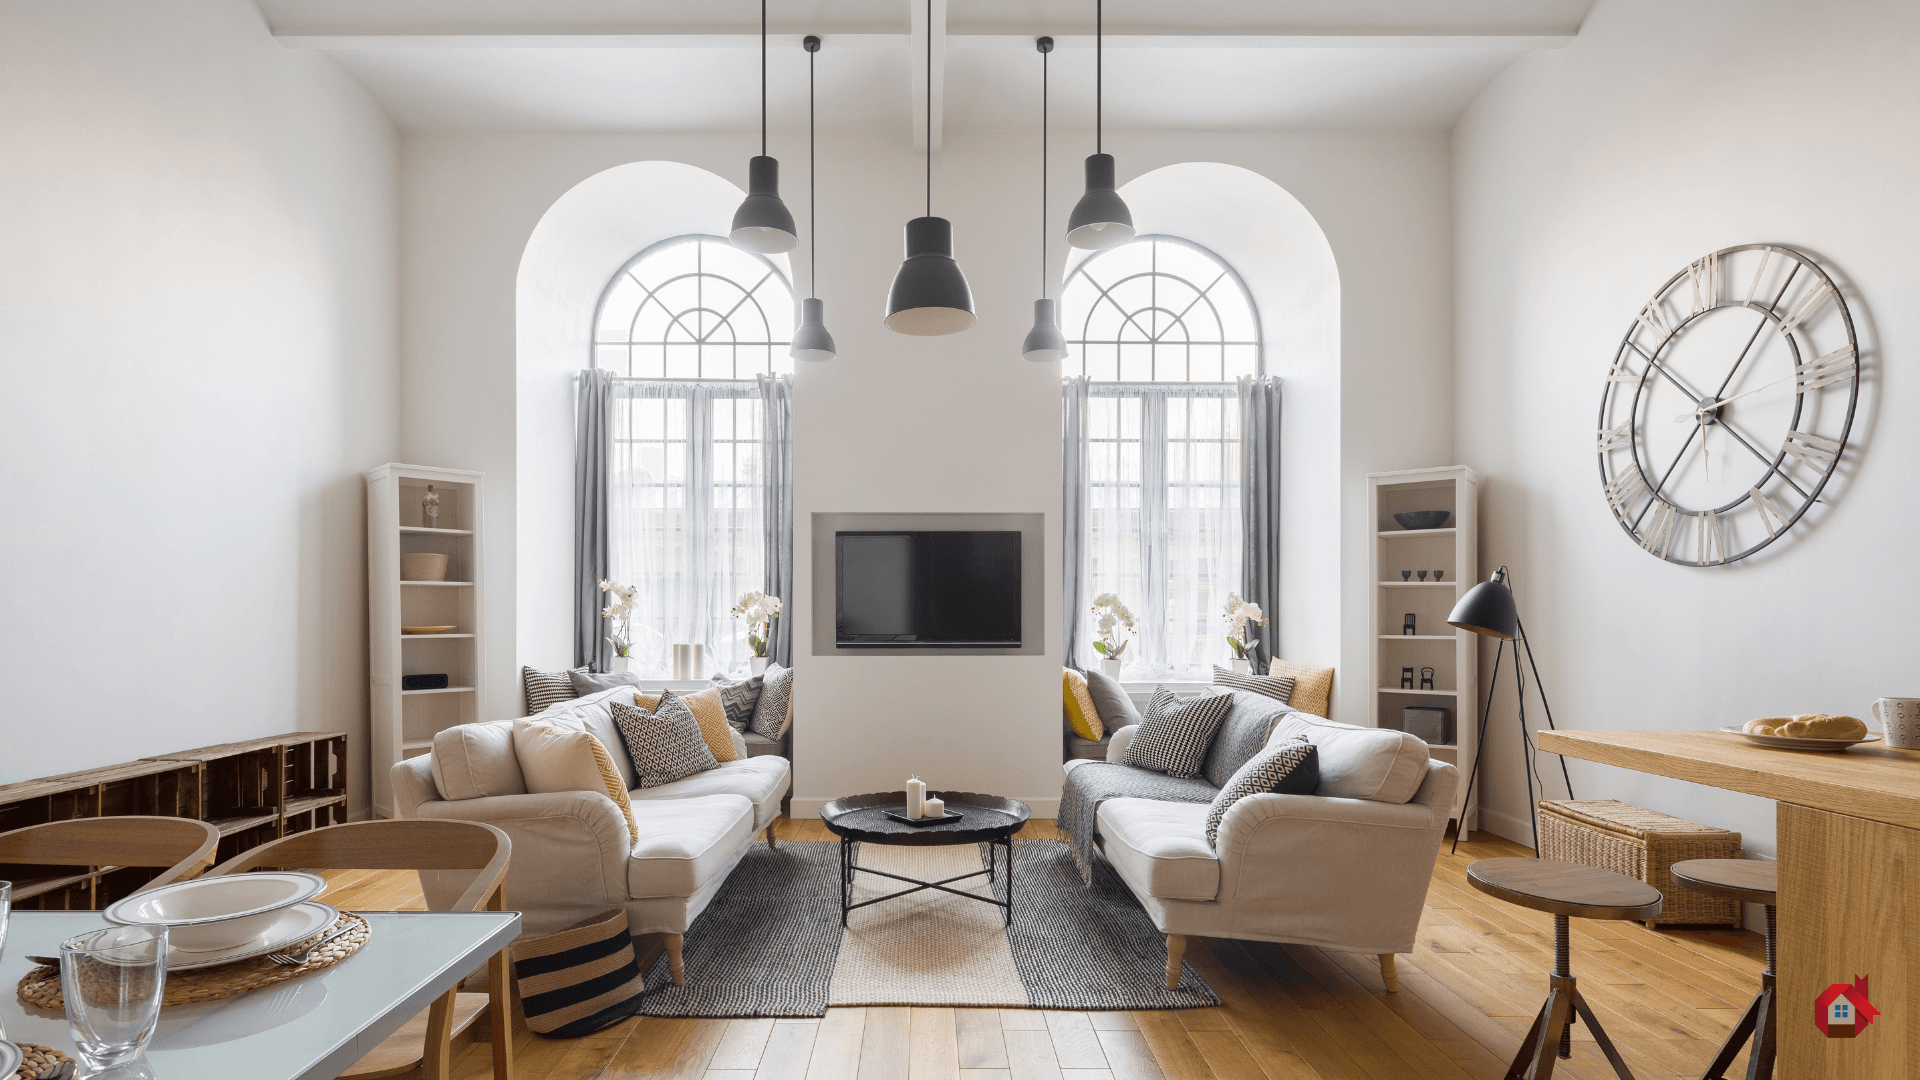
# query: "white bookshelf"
405,721
1452,654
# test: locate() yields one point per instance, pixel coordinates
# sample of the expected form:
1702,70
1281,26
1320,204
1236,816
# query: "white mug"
1901,717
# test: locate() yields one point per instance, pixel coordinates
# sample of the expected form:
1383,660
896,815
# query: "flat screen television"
949,590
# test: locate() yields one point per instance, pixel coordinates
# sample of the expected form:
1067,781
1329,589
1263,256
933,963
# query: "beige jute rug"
928,946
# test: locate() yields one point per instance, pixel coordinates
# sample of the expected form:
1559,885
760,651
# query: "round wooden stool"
1750,882
1562,890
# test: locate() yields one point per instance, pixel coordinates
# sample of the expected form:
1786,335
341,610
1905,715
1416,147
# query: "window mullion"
700,553
1153,527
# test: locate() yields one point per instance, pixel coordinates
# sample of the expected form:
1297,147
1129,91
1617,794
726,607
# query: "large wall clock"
1728,405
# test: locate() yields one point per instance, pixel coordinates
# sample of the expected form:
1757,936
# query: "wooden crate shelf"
253,791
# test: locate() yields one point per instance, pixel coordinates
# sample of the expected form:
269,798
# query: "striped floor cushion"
581,979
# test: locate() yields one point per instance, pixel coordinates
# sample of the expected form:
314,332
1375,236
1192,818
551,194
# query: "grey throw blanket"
1091,784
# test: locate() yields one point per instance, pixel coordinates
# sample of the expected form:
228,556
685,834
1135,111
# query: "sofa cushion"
1361,763
594,713
711,714
1174,736
1312,686
774,711
1278,687
740,699
1110,700
666,744
1287,767
1242,734
476,761
1082,718
684,843
592,682
543,688
556,759
1160,848
760,746
757,778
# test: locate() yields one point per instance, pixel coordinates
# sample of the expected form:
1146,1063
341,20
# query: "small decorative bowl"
1423,519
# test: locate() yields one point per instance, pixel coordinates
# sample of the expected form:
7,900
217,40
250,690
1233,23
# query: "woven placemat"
41,986
36,1059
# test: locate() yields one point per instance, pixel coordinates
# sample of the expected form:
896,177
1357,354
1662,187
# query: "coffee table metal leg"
1008,842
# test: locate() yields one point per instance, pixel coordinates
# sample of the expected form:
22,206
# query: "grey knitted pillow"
664,745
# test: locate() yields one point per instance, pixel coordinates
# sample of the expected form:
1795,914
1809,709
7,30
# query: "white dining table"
311,1027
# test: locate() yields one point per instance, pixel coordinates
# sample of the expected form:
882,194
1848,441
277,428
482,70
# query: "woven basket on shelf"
1642,844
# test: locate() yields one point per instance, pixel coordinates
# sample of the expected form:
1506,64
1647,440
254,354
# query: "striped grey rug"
770,944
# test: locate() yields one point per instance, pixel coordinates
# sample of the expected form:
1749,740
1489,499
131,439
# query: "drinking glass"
112,980
6,909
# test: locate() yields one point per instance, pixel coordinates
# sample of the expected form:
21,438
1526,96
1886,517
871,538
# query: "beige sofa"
1345,868
572,854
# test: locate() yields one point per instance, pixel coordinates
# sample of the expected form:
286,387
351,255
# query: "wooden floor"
1467,994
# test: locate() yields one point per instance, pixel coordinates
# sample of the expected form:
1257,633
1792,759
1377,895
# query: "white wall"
197,336
903,424
1582,179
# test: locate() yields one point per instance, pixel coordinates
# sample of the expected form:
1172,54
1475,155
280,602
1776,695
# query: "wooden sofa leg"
1176,948
772,845
675,966
1387,974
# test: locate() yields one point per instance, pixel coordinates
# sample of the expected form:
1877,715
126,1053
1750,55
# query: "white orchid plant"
1238,615
1115,624
759,610
620,610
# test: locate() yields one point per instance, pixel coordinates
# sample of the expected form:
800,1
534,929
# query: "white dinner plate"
290,925
217,914
1791,742
10,1058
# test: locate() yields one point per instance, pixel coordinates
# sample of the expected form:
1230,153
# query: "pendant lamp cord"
763,78
813,212
1099,69
929,107
1044,57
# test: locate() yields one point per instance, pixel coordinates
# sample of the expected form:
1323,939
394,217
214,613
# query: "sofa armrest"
412,781
570,852
1117,746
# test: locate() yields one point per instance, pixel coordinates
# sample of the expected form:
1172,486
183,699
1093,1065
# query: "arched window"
1164,332
1159,309
696,333
695,307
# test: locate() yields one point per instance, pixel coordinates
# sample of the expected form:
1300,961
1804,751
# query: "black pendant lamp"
929,296
762,224
1044,342
811,341
1100,219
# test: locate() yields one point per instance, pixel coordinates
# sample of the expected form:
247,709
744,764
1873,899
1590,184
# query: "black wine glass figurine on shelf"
1438,574
1406,575
1423,575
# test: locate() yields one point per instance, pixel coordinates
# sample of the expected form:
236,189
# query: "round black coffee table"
984,819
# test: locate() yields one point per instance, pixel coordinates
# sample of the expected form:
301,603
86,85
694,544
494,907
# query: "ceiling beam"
944,40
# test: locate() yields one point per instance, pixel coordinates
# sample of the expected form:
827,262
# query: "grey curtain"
592,445
1074,599
1260,504
777,393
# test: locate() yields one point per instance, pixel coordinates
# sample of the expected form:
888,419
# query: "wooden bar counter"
1849,863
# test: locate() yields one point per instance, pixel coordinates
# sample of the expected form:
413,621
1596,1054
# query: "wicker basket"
1642,844
423,566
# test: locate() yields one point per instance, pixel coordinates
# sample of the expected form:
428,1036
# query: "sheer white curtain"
686,515
1164,528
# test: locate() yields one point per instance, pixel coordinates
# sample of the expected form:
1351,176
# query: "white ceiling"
675,66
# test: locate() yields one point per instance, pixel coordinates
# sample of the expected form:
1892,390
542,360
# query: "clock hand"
1687,418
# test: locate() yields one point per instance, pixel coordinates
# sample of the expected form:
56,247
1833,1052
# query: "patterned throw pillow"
711,715
1274,686
664,746
1082,716
1312,686
774,709
555,759
1290,767
546,688
1174,736
740,699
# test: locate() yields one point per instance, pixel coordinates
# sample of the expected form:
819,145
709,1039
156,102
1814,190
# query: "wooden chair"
37,857
419,846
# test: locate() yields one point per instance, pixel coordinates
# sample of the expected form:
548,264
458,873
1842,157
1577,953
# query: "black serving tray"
916,822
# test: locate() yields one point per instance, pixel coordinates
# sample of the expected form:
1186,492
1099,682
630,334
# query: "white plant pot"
1244,667
618,665
1111,669
757,665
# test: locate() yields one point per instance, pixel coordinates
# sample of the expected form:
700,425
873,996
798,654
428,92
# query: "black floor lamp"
1488,609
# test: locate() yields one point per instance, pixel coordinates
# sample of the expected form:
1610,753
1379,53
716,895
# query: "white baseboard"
1507,826
810,808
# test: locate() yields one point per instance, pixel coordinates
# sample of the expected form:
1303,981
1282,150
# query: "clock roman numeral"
1808,304
1622,375
1614,438
1654,318
1662,530
1624,490
1771,515
1811,450
1712,547
1705,275
1836,366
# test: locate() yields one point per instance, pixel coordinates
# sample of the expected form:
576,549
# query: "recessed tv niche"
951,590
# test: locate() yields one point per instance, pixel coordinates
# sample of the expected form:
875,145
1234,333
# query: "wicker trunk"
1642,844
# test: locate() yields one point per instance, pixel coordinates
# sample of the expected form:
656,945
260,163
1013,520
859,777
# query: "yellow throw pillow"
711,713
644,700
1081,715
557,759
1311,685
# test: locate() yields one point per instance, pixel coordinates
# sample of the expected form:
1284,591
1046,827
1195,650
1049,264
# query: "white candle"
916,798
935,808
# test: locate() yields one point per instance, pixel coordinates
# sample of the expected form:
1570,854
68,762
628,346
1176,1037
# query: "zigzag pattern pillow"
1173,738
664,746
546,688
740,698
776,698
1273,686
1290,768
